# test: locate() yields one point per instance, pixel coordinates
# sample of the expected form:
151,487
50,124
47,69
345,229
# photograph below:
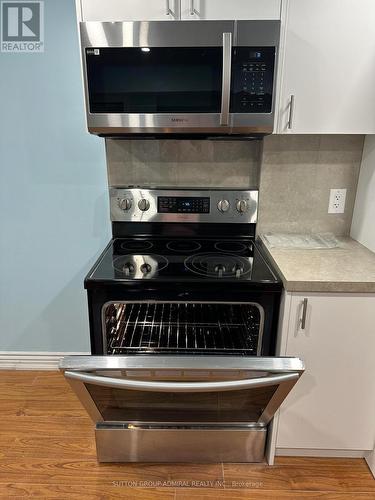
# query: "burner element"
136,245
183,246
231,246
218,265
140,266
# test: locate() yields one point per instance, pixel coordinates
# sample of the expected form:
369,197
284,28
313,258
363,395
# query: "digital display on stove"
183,205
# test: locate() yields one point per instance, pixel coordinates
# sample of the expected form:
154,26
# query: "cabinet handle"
192,10
291,112
168,11
304,314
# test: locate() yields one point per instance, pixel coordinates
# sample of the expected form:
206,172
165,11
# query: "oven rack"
183,328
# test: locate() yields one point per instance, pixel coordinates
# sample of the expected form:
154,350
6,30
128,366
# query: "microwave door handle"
156,386
225,86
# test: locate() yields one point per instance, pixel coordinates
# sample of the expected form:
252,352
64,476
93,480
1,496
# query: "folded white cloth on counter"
306,241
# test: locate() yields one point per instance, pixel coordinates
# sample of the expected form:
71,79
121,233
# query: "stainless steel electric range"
183,309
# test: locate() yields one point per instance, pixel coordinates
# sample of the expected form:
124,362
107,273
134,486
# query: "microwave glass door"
178,80
154,80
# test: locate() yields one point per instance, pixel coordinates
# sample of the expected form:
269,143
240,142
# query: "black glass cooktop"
161,259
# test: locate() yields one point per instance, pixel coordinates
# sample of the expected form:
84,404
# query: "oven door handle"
155,386
226,76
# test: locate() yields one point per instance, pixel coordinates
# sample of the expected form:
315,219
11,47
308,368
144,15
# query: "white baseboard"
303,452
18,360
370,459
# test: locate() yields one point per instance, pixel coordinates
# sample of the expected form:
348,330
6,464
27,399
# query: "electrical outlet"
337,199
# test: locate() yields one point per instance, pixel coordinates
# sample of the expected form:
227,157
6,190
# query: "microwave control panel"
252,79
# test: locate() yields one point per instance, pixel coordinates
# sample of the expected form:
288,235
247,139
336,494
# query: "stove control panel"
137,204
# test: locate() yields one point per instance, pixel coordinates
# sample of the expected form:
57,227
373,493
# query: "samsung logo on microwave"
93,52
179,120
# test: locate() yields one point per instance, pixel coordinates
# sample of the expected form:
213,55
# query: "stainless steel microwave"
180,77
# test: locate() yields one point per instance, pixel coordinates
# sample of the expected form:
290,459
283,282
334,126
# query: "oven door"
181,408
165,77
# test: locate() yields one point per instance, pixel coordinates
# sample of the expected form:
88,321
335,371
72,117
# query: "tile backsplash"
294,173
183,163
297,174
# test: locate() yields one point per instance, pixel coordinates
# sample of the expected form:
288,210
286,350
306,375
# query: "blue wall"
53,197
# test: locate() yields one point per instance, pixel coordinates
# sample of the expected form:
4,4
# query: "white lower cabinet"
333,405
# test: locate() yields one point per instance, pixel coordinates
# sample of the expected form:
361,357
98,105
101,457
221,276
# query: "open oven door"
181,408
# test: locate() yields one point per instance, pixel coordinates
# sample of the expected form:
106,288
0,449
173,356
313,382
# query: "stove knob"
241,206
128,269
223,206
143,204
125,203
146,268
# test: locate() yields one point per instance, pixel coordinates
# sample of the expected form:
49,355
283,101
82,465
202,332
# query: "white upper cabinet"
159,10
230,9
129,10
329,67
333,405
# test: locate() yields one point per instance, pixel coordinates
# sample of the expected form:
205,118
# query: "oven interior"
182,327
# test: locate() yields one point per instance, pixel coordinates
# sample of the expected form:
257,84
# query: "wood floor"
47,450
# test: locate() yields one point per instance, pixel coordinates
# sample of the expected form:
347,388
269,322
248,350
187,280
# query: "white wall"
363,225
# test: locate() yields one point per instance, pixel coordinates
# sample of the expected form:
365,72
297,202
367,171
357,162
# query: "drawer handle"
291,112
304,314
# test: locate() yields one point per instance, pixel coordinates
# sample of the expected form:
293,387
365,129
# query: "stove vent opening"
190,328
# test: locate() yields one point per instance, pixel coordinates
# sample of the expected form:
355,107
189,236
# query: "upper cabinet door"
230,9
328,77
129,10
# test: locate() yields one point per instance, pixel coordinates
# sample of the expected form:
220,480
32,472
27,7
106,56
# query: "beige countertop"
350,267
